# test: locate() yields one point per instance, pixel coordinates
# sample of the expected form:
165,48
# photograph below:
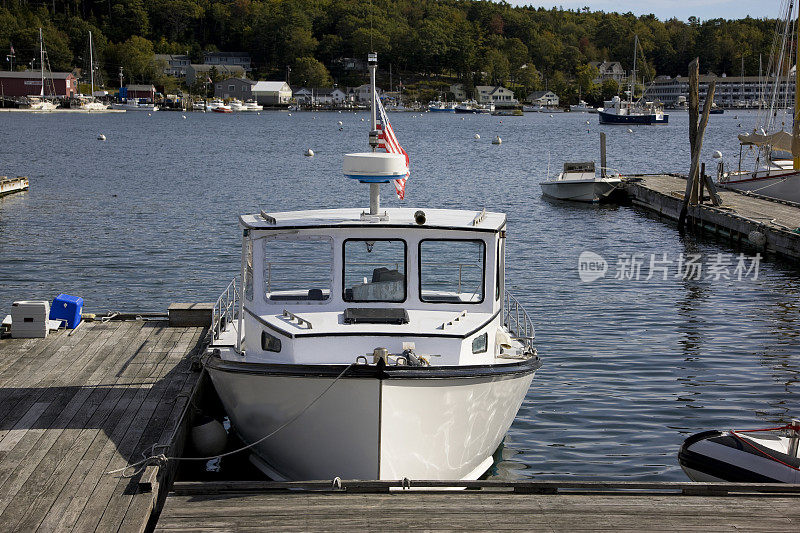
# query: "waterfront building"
29,83
240,88
320,96
731,91
228,59
495,94
362,94
173,64
271,92
459,93
146,91
543,98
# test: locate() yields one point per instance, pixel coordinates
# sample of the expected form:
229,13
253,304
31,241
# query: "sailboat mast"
41,60
796,121
91,64
633,74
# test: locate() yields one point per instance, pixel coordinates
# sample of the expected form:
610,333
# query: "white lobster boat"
579,183
372,345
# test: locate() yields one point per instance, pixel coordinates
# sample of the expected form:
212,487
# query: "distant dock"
12,185
736,219
60,110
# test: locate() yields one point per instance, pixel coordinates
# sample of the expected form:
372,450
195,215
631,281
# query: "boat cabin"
327,286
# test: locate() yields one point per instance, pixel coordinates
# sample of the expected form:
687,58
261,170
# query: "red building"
142,91
29,83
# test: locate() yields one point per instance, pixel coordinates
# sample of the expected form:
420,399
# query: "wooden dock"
529,506
738,216
77,406
11,185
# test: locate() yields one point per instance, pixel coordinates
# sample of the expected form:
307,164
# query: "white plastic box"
29,319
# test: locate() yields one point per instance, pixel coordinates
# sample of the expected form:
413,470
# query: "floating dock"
492,505
11,185
737,218
76,406
60,110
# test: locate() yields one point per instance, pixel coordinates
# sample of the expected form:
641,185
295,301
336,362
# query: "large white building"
271,92
731,91
495,94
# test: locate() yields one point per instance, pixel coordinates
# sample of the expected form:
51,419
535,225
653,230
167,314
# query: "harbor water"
634,361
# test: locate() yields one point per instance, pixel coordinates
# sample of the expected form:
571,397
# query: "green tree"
497,66
136,58
309,72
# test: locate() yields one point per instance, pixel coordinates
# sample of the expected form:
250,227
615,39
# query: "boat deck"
11,185
738,215
77,406
609,506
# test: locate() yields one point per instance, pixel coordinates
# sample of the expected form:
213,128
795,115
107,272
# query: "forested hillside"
474,41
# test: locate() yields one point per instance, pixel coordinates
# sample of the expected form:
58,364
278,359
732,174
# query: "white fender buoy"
757,239
309,153
209,437
497,140
477,136
101,137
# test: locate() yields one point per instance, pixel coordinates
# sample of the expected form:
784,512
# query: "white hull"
370,428
780,185
579,190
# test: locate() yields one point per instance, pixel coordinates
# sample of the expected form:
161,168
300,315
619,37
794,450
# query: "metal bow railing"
225,309
517,321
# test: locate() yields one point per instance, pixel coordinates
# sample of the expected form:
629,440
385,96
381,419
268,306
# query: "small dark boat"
749,456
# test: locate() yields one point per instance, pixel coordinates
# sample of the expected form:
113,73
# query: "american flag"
388,142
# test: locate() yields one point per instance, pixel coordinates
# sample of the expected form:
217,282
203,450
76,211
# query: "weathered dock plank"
738,216
469,510
78,406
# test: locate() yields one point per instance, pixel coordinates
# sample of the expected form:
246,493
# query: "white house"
495,94
362,93
173,64
608,70
271,92
543,98
320,96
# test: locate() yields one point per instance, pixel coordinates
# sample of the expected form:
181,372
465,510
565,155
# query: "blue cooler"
66,307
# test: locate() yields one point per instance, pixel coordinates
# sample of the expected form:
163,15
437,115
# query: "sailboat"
618,111
39,103
92,104
773,152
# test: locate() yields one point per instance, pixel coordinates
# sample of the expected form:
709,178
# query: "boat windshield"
451,271
298,269
374,270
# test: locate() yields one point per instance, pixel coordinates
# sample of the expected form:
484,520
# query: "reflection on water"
630,367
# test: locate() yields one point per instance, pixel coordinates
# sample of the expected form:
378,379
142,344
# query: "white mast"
41,61
633,75
374,188
91,65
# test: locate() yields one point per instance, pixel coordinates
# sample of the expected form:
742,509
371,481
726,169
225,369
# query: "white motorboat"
441,107
375,344
769,156
579,182
749,456
252,105
236,105
133,104
582,107
199,105
214,103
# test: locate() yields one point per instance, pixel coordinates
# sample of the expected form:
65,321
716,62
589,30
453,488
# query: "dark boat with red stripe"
745,456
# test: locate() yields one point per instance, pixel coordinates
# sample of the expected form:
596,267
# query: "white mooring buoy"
184,117
587,122
497,140
339,123
309,153
477,136
101,137
630,130
149,114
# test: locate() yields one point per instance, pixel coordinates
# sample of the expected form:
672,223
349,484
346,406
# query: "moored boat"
372,344
578,182
441,107
749,456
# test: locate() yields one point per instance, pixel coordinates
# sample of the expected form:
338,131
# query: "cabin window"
501,268
248,266
270,343
374,270
451,271
299,269
480,343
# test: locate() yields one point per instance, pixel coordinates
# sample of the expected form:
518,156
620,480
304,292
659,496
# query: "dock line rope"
161,459
788,427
